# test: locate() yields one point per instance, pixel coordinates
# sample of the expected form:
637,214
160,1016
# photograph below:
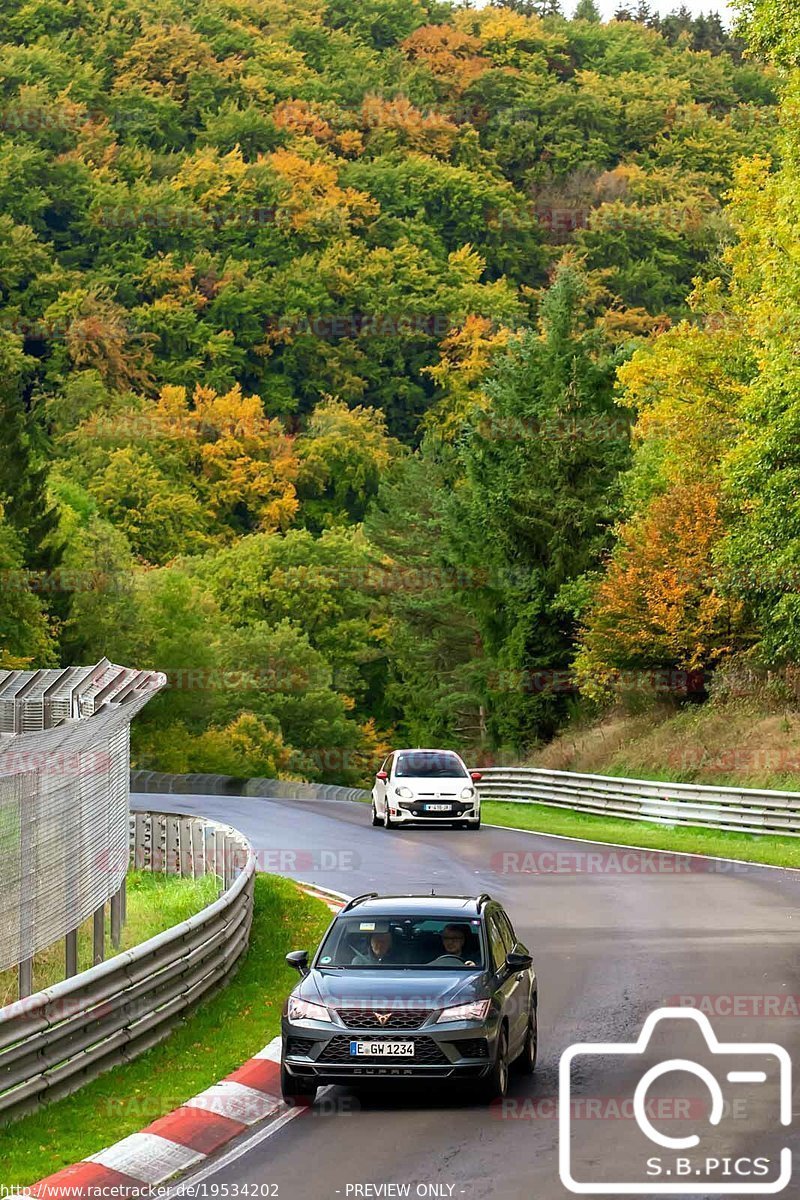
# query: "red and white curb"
170,1145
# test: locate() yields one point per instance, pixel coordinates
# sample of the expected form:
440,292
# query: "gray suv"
411,987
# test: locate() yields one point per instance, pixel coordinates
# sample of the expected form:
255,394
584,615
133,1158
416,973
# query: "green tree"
542,465
587,10
342,454
26,635
431,683
772,28
23,471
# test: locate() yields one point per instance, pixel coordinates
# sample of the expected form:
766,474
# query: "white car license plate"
438,807
382,1049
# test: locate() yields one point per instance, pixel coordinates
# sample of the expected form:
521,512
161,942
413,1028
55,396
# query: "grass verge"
155,903
542,818
217,1037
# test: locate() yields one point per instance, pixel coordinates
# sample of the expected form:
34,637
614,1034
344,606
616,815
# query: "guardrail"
53,1042
742,809
229,785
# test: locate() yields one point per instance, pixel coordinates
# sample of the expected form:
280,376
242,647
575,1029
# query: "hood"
424,783
392,989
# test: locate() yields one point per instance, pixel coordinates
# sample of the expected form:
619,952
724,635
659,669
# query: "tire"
297,1092
494,1086
474,824
525,1063
388,823
375,818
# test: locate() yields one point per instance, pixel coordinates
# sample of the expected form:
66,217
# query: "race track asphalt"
615,935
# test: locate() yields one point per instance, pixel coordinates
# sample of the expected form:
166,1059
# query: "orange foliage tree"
452,56
658,604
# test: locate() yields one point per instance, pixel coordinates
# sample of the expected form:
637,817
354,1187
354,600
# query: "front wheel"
388,823
474,824
297,1092
495,1085
526,1063
375,818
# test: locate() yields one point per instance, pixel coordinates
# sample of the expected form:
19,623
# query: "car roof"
438,906
425,750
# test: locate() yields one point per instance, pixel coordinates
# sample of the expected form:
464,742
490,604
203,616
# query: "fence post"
116,916
172,865
219,856
71,954
99,935
184,846
25,978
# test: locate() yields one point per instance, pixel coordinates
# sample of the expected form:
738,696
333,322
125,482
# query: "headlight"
405,792
304,1010
467,793
465,1012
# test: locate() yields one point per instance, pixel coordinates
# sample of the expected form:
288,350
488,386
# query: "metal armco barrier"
229,785
53,1042
741,809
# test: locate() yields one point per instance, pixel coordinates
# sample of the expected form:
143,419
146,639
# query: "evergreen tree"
587,10
541,464
23,472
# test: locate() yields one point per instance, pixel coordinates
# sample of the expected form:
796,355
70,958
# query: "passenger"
454,939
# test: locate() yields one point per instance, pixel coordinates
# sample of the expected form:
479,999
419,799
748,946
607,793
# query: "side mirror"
299,960
381,775
518,962
475,776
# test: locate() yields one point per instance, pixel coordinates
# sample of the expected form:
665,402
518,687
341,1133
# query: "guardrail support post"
71,954
116,916
184,848
99,932
25,978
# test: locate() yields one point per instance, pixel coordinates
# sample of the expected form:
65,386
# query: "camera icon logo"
655,1162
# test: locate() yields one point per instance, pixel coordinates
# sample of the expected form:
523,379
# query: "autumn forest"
398,370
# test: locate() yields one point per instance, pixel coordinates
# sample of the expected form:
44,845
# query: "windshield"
421,943
429,764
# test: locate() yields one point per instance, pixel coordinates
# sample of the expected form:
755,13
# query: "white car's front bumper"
407,812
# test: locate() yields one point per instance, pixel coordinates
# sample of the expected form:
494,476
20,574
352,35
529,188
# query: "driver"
380,949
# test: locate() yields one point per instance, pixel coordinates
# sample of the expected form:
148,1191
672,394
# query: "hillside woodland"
390,369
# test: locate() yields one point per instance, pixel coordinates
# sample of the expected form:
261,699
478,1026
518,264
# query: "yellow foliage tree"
466,355
312,195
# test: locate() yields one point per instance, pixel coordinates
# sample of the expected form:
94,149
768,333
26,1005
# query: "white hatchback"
426,786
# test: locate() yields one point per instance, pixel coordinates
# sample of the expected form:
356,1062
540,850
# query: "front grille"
296,1045
360,1018
425,1051
453,809
472,1048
